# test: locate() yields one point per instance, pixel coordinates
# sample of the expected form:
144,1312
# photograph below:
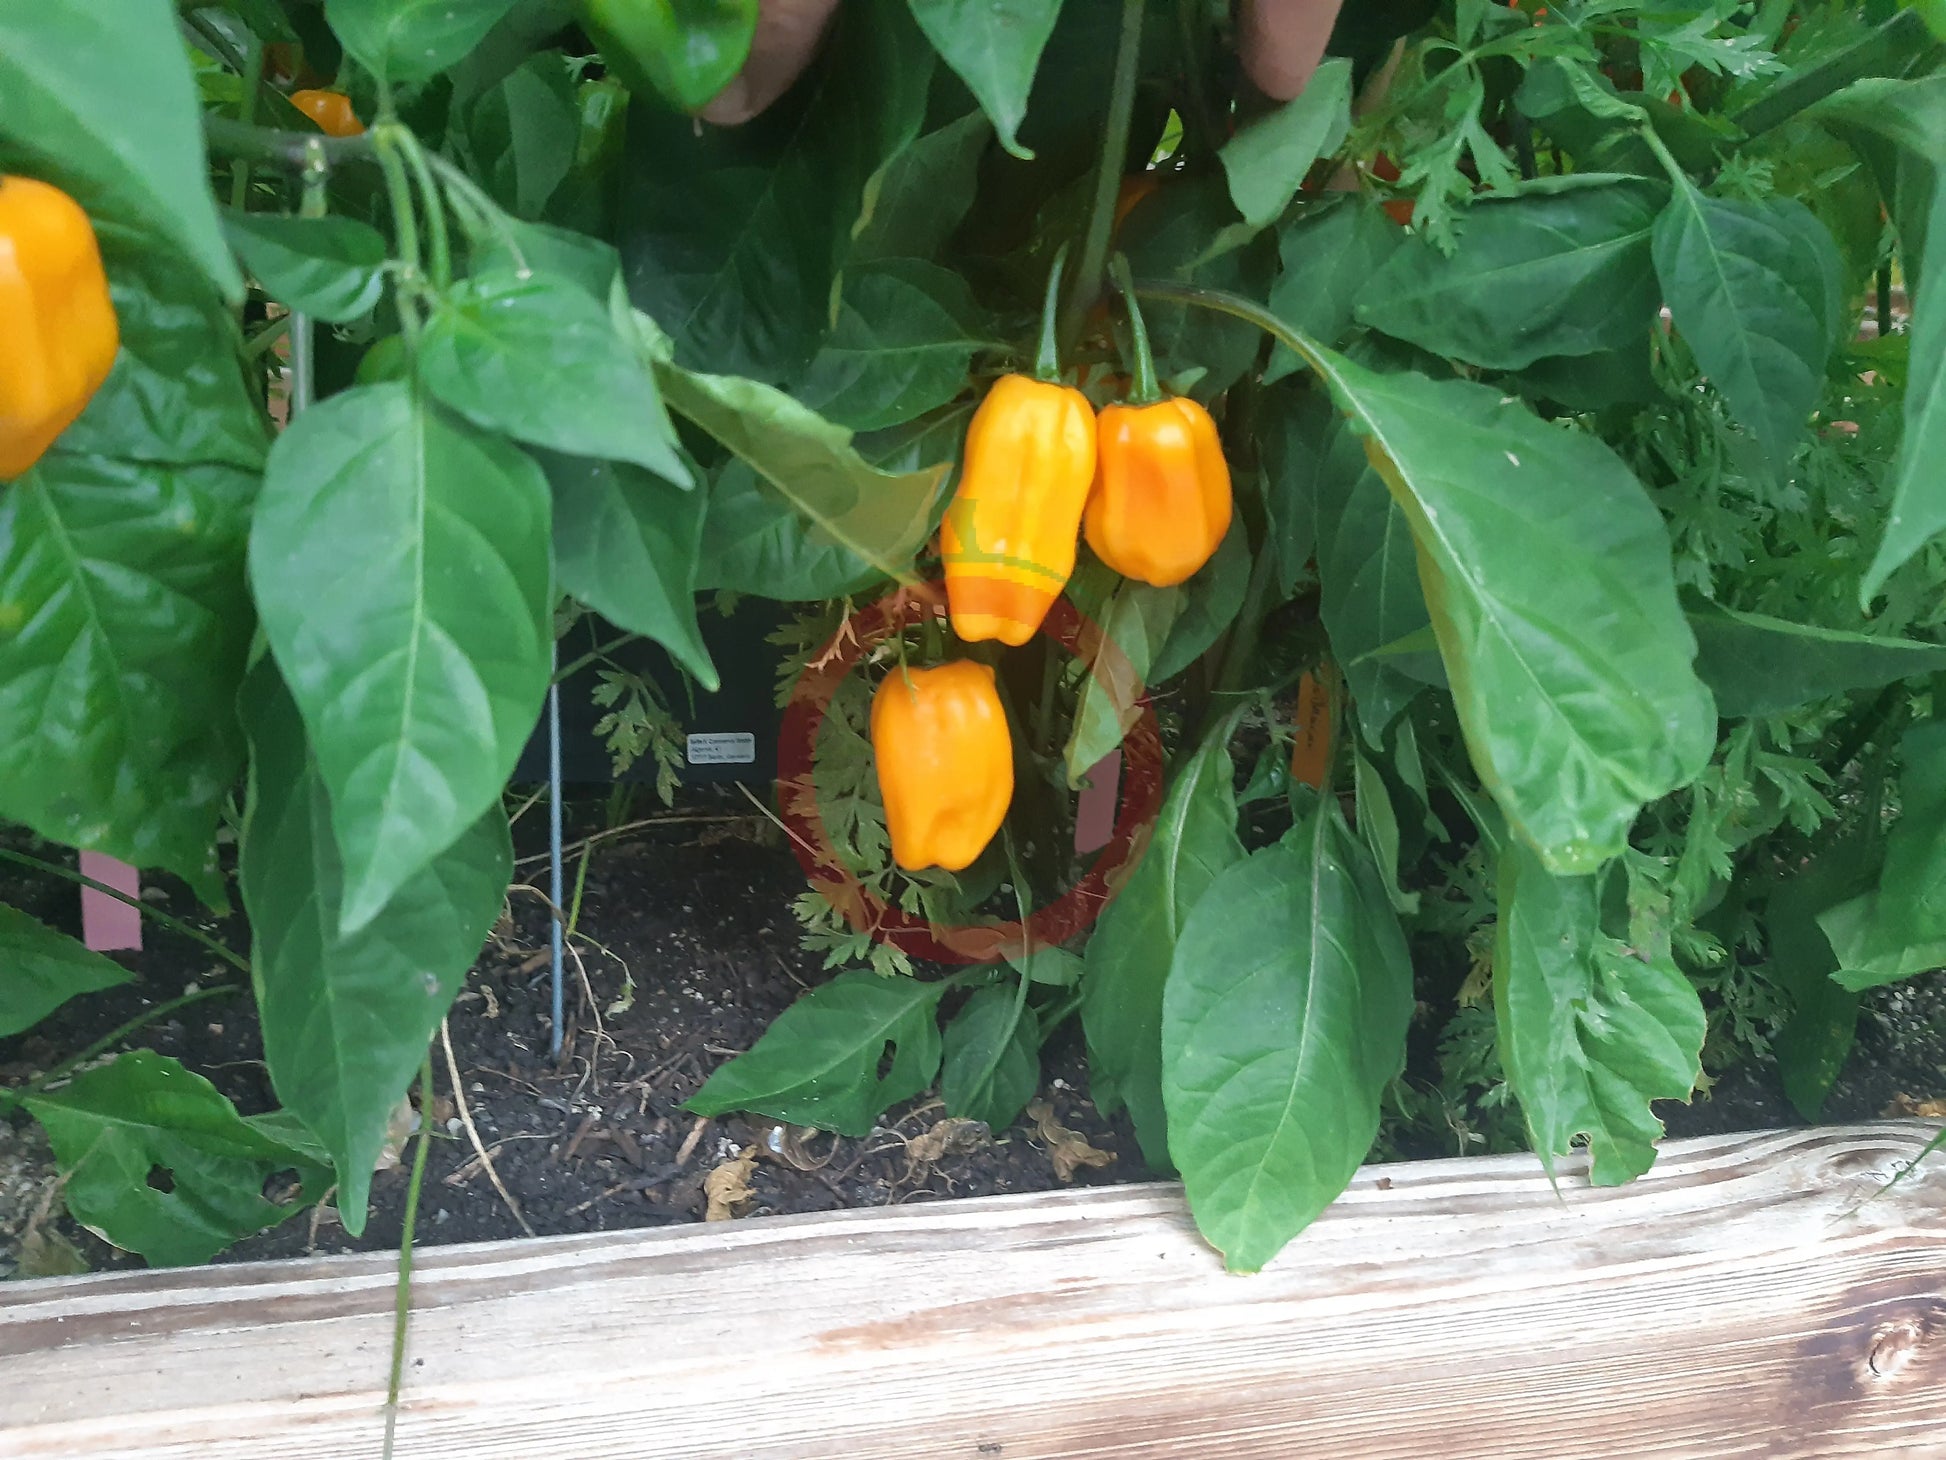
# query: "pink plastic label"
1094,817
107,922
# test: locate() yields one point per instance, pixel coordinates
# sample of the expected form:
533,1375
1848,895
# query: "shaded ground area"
690,949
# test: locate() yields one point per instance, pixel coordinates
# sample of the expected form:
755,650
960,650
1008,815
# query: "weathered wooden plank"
1753,1295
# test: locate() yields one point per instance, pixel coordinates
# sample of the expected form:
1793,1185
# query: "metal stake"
555,925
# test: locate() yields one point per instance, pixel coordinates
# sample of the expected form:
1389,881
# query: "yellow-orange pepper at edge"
331,110
1161,501
57,321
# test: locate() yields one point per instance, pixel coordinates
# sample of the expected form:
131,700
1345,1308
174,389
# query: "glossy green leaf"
1134,940
332,269
896,353
916,200
1266,160
533,357
159,1163
818,1063
1210,601
755,542
732,236
521,135
685,50
346,1019
99,99
40,970
1561,267
1758,665
1591,1032
1908,112
1283,1023
410,40
880,517
1136,619
991,1062
995,46
1190,233
1899,928
1378,826
1574,686
627,544
1327,253
124,614
1919,487
1817,1038
401,567
1368,572
1754,289
591,264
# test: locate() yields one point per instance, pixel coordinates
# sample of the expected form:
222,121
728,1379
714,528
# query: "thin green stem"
1884,299
1085,288
1664,156
462,188
1902,37
1145,391
174,925
575,666
253,79
402,1301
11,1098
437,240
266,338
405,228
230,138
1047,355
1044,711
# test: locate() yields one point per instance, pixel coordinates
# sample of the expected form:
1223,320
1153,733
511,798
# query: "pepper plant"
1560,673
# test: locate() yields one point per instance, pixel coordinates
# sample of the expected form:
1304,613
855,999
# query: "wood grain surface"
1755,1295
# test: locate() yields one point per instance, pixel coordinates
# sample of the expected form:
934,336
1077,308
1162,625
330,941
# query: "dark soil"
694,912
690,950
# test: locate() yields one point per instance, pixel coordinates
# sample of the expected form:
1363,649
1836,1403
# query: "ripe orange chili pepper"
1161,500
945,762
56,319
331,110
1008,539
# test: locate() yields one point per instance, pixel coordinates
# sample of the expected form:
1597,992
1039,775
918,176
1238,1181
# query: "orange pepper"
945,762
1008,539
56,318
331,110
1161,500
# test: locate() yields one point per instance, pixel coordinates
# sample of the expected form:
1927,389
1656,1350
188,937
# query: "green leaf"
99,99
1134,941
1327,253
916,200
1210,599
995,46
1283,1023
733,236
818,1063
157,1162
1758,665
627,544
533,357
1265,161
1590,1031
1136,620
1574,686
992,1060
1815,1041
1754,289
880,517
521,135
1909,113
124,614
1378,827
896,354
1899,928
332,269
1561,267
401,566
591,264
346,1018
411,40
1368,574
1918,486
755,542
40,970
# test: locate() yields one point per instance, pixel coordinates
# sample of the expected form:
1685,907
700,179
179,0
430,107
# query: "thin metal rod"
554,860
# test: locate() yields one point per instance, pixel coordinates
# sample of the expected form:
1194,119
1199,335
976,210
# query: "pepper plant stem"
1145,391
1085,287
175,925
11,1098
